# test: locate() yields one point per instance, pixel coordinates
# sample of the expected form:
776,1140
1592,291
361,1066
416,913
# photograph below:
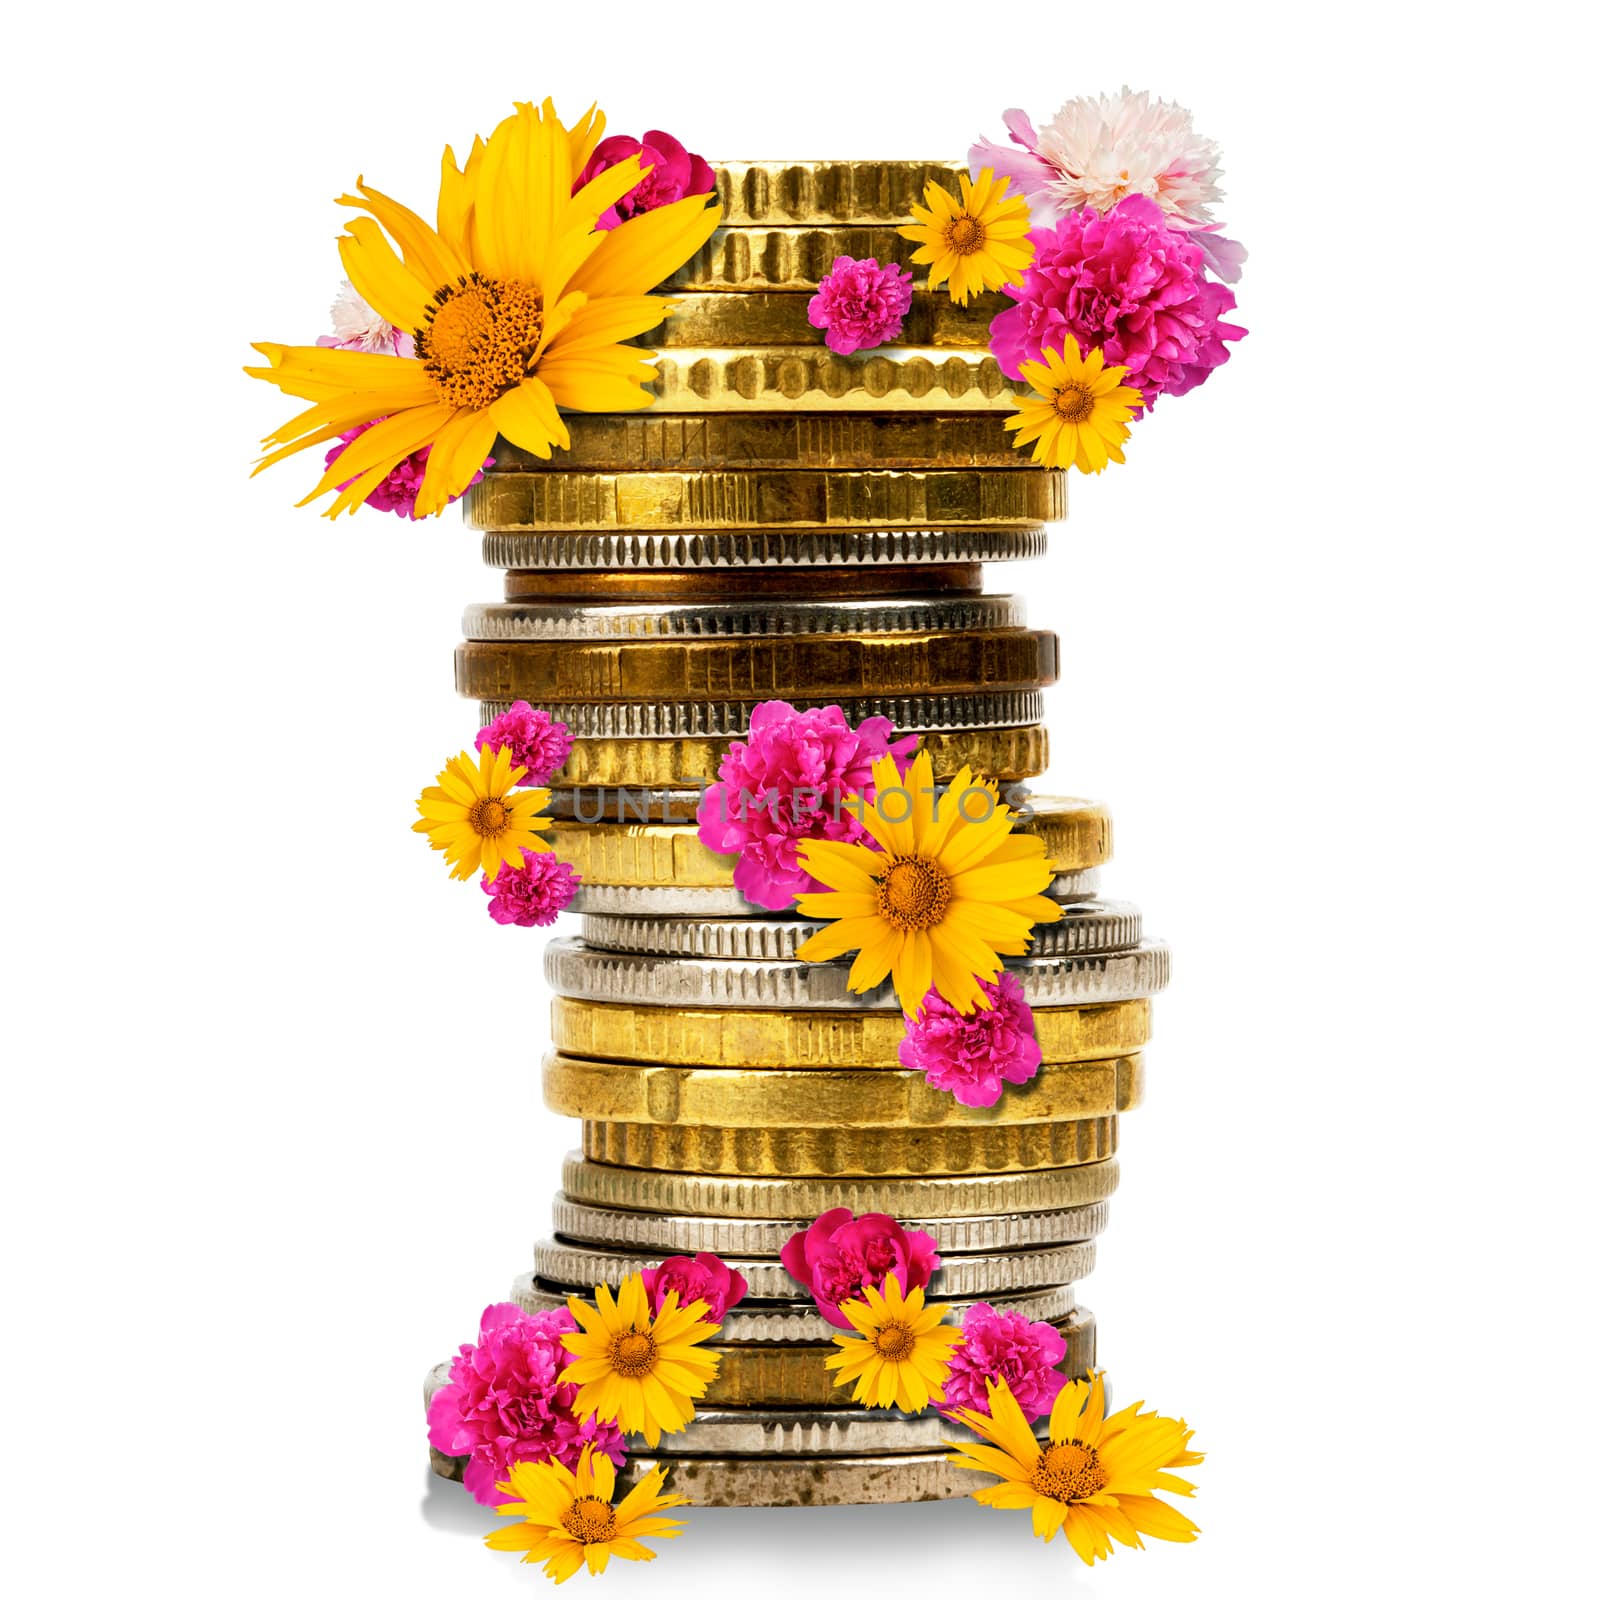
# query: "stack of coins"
788,523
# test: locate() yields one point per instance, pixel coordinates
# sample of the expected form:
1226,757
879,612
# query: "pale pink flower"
530,896
1005,1344
787,782
356,326
506,1402
860,304
397,492
673,174
704,1277
840,1254
538,742
1098,150
973,1056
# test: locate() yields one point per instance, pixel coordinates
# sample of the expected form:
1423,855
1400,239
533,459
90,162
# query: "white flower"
356,326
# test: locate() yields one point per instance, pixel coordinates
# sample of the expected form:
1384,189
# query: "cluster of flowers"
484,814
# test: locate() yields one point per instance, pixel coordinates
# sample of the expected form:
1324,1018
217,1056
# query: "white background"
272,1127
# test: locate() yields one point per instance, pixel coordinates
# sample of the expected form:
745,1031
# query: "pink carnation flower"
973,1056
703,1277
1124,283
786,783
506,1402
1005,1344
398,491
673,174
840,1254
861,304
538,742
530,895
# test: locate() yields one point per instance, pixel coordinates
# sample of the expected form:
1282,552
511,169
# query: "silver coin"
1086,927
571,968
960,1277
752,547
730,719
524,620
760,1236
796,1324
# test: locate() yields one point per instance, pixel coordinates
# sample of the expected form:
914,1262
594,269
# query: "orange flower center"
964,235
1069,1472
633,1353
489,818
479,339
894,1341
590,1521
1074,402
913,893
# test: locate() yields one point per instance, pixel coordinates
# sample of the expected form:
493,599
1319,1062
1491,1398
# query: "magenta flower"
973,1056
1005,1344
538,742
506,1402
840,1254
398,491
861,304
702,1277
529,896
1124,283
787,782
673,174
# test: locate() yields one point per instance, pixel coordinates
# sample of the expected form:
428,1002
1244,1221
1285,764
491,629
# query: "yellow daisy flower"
477,815
978,242
903,1355
569,1519
640,1372
1078,414
1096,1477
516,304
951,890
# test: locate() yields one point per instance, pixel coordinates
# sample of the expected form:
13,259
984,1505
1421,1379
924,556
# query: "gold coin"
815,666
772,193
770,1097
803,1199
764,499
1076,835
800,1041
788,257
728,440
853,1152
1006,754
793,377
796,1374
933,320
744,583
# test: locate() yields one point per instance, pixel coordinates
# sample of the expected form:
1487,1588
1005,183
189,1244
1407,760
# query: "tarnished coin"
761,1236
776,193
739,548
1086,927
572,969
795,1324
604,502
802,1200
850,1152
522,622
878,1097
801,1040
744,585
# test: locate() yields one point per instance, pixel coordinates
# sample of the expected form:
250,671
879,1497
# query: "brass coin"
730,440
773,193
1006,754
933,320
799,1199
827,1152
788,257
799,1041
743,583
773,1097
764,498
818,666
